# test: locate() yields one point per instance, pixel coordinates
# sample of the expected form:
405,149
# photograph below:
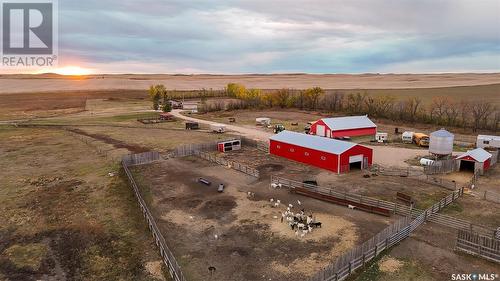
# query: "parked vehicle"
407,137
278,128
220,189
218,128
381,137
192,126
421,139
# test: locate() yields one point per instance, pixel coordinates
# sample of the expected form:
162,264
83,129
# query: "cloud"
318,36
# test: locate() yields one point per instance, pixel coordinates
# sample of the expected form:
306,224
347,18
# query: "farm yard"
248,228
63,174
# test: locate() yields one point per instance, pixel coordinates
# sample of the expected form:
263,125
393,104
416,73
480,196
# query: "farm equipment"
278,128
421,139
307,128
232,120
218,128
192,126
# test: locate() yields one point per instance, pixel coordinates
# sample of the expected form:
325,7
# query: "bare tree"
480,111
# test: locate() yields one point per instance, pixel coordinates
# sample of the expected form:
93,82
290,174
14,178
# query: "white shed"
381,137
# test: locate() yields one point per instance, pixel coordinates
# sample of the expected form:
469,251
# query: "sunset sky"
315,36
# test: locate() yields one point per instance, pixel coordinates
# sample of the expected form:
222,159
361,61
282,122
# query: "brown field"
52,83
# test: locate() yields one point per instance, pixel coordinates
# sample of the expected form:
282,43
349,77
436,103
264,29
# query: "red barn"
330,154
475,160
349,126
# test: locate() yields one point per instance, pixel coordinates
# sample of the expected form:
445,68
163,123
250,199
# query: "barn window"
486,142
292,150
278,146
323,158
306,153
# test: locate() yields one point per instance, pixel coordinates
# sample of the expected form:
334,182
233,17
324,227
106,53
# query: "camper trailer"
381,137
218,128
484,141
407,137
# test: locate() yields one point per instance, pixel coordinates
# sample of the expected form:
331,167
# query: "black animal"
212,269
315,224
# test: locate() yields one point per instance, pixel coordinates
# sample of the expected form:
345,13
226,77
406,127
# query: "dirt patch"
217,207
389,264
134,148
154,269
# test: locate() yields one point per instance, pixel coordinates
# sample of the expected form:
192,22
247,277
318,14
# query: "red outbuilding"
330,154
475,160
339,127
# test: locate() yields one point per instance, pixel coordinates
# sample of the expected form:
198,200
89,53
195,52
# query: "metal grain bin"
441,142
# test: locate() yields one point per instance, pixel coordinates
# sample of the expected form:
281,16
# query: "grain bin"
441,142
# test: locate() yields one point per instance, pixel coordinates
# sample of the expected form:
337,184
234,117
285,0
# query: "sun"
72,71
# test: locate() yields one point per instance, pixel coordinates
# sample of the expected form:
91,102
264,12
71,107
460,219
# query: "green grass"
453,208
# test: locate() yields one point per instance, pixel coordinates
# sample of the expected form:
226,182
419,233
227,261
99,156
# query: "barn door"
320,130
365,163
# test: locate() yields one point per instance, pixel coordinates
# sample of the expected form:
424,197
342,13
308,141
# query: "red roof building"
475,160
339,127
330,154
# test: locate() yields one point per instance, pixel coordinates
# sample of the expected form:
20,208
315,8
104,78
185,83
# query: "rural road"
247,132
387,156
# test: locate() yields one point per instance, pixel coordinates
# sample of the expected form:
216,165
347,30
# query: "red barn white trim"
478,159
330,154
349,126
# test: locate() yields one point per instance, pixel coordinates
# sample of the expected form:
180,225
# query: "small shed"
475,160
348,126
381,137
330,154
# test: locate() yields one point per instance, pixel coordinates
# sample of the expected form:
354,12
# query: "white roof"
488,137
479,154
314,142
349,122
442,133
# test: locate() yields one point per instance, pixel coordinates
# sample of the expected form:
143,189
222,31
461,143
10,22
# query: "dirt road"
383,155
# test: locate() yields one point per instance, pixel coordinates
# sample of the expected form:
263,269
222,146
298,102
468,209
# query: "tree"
480,111
235,90
282,97
313,95
166,107
156,92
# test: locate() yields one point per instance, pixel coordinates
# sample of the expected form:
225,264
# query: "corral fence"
478,245
491,196
260,145
191,149
141,158
448,184
395,233
442,167
167,256
396,171
228,163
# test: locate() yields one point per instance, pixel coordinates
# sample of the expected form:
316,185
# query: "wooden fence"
167,256
442,167
191,149
396,171
478,245
395,233
227,163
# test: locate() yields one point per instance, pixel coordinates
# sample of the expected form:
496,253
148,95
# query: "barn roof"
349,122
314,142
478,154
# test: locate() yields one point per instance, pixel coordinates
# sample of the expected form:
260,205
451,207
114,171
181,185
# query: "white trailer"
263,121
407,137
218,128
381,137
488,141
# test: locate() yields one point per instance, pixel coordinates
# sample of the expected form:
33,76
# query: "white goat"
278,201
271,200
276,205
301,226
351,207
290,205
273,185
298,202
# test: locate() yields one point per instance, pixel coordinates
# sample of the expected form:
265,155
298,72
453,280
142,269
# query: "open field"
191,214
52,83
63,217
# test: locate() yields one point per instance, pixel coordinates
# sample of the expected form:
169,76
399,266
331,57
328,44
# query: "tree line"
474,114
443,111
